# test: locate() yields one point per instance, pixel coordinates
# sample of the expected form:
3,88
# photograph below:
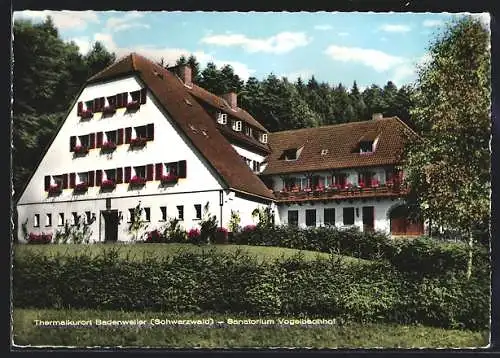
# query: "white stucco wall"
381,207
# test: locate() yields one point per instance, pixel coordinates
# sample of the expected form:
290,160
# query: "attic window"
237,126
188,101
290,154
156,73
248,131
366,147
221,118
263,137
324,151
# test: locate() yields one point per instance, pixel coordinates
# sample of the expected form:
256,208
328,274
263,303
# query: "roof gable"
192,120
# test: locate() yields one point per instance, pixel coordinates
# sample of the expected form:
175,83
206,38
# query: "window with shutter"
128,135
182,169
65,181
72,180
79,108
136,96
150,131
90,176
149,172
97,106
47,182
112,100
99,140
119,139
119,175
91,140
98,177
121,100
143,95
72,143
102,102
158,171
128,171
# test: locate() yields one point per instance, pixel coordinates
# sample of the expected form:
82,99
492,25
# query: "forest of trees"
49,72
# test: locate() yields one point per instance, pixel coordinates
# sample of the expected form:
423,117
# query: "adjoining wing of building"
138,133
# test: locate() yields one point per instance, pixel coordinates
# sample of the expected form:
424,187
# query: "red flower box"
133,105
108,184
109,110
375,183
169,178
138,142
39,238
81,187
319,188
194,233
108,146
86,114
55,189
137,180
80,149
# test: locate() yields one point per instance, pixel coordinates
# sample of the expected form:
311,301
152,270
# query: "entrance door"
110,225
368,218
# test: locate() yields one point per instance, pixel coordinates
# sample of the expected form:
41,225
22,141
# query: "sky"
335,47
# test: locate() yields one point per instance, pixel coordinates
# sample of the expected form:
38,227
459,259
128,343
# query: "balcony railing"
338,192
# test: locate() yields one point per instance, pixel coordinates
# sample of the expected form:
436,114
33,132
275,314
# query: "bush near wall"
236,283
422,255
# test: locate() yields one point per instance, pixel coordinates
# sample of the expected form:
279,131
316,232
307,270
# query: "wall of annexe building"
200,185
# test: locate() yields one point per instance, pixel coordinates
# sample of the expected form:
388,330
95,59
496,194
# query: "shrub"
155,236
173,232
37,239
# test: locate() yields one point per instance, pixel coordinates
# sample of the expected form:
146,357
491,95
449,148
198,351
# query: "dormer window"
290,154
366,147
263,137
221,118
324,151
248,131
236,126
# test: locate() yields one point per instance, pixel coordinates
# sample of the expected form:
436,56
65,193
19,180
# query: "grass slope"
140,251
352,335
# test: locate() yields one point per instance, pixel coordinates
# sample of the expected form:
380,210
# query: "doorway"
368,218
110,225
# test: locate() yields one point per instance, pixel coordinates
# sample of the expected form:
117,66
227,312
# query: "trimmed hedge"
236,283
421,255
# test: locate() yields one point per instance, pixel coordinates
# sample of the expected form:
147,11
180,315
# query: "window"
75,218
311,217
145,131
365,179
111,136
36,220
348,216
139,96
84,140
248,131
329,216
366,146
256,166
293,217
263,137
237,126
163,210
82,178
60,220
48,220
89,105
180,211
140,171
131,215
290,154
110,174
88,217
147,214
324,151
197,208
221,118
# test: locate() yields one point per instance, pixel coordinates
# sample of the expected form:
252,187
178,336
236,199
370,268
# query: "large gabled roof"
340,146
191,119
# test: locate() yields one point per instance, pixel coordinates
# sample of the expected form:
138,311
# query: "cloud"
343,34
323,27
304,74
378,60
484,18
84,44
395,28
62,19
125,22
432,23
407,71
170,54
279,44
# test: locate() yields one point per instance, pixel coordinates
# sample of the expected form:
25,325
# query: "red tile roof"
342,143
192,119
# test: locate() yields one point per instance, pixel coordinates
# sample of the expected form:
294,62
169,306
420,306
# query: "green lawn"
140,251
352,335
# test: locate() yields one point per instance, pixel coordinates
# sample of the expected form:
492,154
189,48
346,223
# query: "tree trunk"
469,260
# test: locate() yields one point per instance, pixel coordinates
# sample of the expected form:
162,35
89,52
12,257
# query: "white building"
138,133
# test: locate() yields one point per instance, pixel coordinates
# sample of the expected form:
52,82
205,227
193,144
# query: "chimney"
376,116
232,99
185,75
